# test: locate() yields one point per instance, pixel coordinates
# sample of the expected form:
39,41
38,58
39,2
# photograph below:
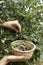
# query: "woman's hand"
11,58
14,25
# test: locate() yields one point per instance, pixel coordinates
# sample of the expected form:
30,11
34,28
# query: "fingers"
17,27
14,25
16,58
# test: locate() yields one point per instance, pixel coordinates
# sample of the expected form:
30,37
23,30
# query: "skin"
14,25
11,58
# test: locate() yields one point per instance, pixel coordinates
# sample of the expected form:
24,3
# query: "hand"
14,25
11,58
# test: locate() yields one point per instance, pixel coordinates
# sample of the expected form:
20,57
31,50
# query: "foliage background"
30,15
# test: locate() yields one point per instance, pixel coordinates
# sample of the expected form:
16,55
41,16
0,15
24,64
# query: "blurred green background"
29,13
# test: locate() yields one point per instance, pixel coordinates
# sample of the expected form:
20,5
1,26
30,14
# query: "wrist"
4,61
